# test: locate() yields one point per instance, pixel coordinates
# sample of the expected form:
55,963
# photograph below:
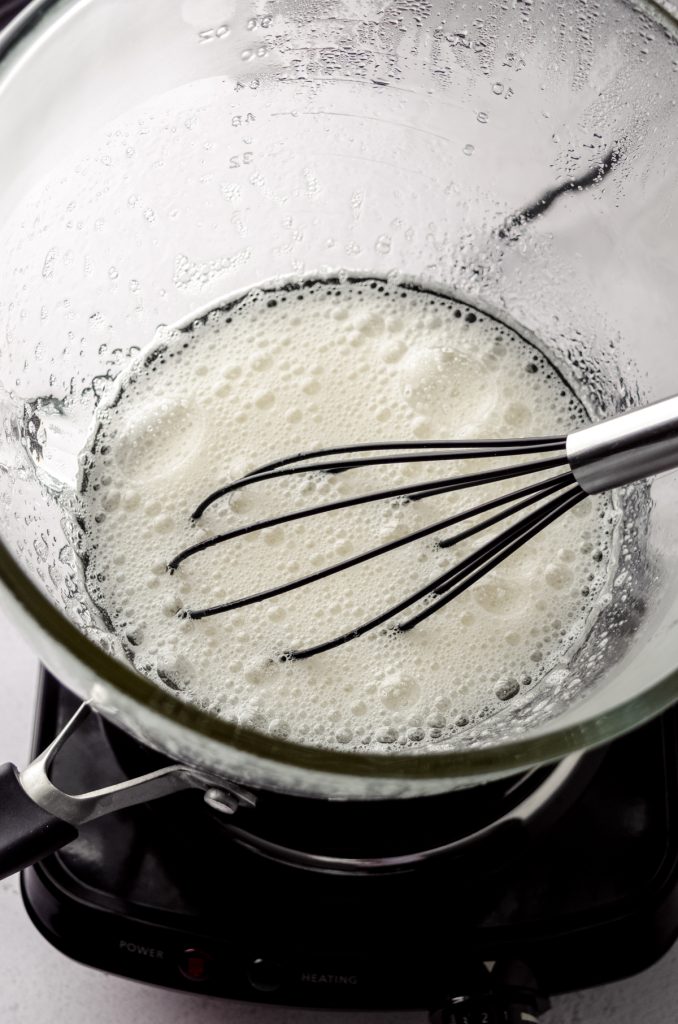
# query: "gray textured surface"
39,985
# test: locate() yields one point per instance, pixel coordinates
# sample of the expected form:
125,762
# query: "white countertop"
38,985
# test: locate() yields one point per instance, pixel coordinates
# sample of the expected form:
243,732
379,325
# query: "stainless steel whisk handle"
618,451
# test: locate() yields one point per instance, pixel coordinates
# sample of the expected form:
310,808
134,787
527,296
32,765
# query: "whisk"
596,458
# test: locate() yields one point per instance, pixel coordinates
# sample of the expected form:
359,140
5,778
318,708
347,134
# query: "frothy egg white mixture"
314,365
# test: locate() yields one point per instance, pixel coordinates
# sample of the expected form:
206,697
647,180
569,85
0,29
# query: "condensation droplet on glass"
468,149
247,54
66,555
113,273
48,265
482,116
383,244
498,88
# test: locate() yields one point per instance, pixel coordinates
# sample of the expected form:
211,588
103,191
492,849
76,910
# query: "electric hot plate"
574,881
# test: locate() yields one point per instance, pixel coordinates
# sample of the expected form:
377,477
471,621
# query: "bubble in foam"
313,365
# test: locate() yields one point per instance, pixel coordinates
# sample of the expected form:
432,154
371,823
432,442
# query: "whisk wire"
453,452
418,491
458,578
510,542
495,447
530,495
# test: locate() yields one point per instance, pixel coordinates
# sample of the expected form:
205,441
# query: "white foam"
321,365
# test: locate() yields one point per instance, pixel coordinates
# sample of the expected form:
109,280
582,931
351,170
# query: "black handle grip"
27,832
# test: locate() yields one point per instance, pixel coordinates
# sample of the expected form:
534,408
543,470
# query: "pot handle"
37,818
27,832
